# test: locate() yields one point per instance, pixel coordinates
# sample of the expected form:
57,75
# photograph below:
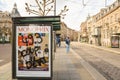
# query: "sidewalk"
65,67
106,60
114,50
5,72
68,67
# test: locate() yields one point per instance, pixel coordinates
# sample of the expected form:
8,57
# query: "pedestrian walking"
59,42
67,41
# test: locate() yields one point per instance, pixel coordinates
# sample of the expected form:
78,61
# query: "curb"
5,66
102,48
94,73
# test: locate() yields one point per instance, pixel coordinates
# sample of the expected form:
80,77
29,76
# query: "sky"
74,17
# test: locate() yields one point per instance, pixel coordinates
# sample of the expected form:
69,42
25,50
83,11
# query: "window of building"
106,10
110,8
113,5
101,14
111,19
107,20
110,31
116,29
116,17
96,19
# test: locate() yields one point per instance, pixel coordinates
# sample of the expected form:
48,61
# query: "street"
5,53
81,62
59,40
107,63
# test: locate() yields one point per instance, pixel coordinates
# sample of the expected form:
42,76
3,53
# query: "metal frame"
15,24
117,39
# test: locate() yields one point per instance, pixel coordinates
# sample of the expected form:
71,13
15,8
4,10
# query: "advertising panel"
32,43
33,51
115,41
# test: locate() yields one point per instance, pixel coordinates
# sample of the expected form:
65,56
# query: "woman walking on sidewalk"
67,41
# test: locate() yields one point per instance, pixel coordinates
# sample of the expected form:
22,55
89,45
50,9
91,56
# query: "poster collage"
33,51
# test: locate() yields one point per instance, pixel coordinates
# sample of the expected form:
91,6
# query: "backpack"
67,41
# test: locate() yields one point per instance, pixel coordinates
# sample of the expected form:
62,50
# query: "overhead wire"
87,3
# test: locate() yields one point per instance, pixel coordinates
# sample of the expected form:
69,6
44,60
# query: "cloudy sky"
77,11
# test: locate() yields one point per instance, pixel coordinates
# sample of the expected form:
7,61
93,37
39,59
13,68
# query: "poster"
115,41
33,51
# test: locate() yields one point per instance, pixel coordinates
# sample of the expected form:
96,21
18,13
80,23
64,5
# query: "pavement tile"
64,67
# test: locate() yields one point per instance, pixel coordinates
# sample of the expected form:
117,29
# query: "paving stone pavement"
5,72
110,71
65,67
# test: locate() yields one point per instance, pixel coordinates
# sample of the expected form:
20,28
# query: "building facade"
104,27
67,32
90,30
83,32
6,24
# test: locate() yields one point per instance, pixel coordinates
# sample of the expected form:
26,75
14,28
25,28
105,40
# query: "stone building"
75,35
104,27
6,24
83,32
15,12
90,30
65,31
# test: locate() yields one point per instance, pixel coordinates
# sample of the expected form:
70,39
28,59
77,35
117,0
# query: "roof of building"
15,12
